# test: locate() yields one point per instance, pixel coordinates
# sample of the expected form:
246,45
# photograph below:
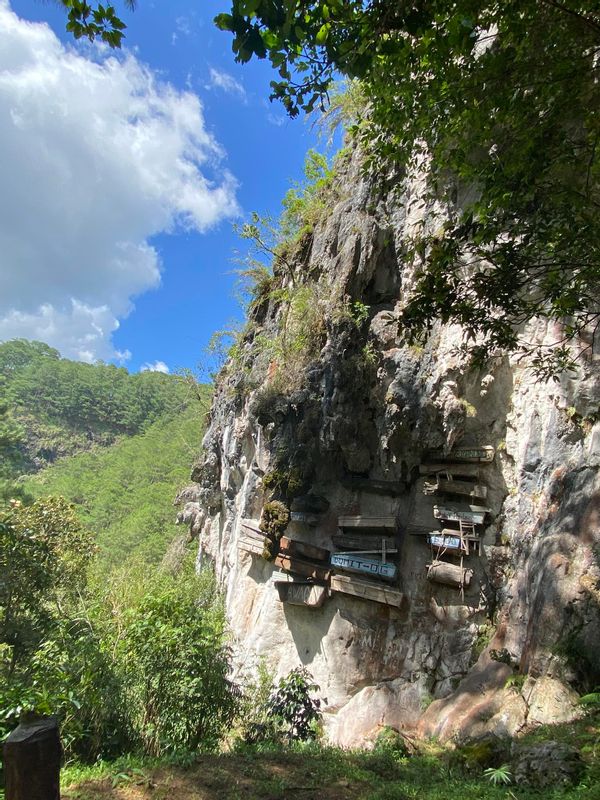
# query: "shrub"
274,518
293,708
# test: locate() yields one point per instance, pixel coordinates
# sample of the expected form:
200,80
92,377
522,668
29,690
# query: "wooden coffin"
449,574
463,470
303,549
366,590
463,488
366,542
304,518
371,523
472,514
250,529
298,566
389,488
365,566
474,455
251,545
301,593
452,544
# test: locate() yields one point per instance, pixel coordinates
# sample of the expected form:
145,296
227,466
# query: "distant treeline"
101,398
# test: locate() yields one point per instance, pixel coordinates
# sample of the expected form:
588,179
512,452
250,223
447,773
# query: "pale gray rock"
373,414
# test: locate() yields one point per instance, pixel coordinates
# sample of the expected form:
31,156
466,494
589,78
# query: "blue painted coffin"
355,563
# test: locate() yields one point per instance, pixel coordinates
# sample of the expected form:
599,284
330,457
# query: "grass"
311,771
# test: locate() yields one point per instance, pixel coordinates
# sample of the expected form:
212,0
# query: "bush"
293,708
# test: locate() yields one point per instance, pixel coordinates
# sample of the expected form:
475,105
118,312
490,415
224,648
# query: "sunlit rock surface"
523,639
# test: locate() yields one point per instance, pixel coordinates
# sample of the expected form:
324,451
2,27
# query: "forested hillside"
64,407
116,445
125,493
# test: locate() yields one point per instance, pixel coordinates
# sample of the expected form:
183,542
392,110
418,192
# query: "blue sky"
169,207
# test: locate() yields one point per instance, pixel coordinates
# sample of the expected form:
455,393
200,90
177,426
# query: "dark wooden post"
32,755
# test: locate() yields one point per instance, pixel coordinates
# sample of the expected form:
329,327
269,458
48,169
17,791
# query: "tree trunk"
32,754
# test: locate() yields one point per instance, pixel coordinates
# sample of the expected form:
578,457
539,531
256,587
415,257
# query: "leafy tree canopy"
499,102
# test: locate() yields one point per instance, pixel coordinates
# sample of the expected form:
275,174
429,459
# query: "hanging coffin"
303,549
364,541
474,455
371,523
366,590
251,545
463,488
463,470
449,574
301,593
450,543
472,514
300,567
355,563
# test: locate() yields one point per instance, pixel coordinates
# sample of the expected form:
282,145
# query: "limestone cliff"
322,409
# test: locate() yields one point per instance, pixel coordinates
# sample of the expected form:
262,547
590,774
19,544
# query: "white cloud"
226,82
158,366
96,157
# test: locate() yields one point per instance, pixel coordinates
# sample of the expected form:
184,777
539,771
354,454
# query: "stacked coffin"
453,478
364,543
309,562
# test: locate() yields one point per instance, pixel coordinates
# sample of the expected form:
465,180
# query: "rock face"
321,407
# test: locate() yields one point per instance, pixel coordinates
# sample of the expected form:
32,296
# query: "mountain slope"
124,493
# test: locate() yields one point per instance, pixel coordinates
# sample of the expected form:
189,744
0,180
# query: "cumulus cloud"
97,156
226,82
158,366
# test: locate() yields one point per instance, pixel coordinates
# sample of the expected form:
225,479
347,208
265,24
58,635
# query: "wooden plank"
251,529
476,455
449,574
300,567
374,523
474,490
357,563
461,513
464,470
472,537
390,488
463,488
301,593
250,546
357,541
376,592
303,549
